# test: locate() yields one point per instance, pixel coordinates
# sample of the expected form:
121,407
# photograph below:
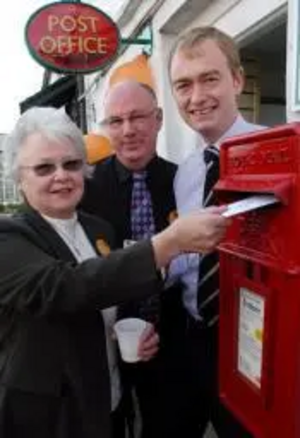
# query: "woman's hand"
200,232
149,343
196,232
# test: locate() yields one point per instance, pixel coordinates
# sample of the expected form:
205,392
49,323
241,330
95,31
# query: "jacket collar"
46,236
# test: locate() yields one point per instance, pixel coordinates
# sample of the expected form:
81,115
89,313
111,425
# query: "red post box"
260,284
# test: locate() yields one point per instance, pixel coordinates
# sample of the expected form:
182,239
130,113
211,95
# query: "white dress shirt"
75,238
188,188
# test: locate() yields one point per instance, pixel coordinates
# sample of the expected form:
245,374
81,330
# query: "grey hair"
52,123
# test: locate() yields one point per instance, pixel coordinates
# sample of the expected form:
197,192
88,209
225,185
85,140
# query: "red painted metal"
260,284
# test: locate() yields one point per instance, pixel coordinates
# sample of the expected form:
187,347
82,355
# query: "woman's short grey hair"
54,124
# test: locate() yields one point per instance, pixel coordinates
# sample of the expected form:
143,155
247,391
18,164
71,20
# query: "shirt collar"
124,174
233,130
65,224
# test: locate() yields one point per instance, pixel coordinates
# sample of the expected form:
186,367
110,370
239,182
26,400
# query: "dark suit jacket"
54,380
108,195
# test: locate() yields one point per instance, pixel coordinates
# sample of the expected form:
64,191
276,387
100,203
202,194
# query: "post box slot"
236,188
238,195
233,196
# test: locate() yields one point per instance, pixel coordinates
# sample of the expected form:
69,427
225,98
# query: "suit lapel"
121,202
161,176
47,238
98,232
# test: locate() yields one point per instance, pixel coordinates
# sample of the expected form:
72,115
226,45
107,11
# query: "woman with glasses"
57,275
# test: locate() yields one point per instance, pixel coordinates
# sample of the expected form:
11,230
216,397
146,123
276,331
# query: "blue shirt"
188,188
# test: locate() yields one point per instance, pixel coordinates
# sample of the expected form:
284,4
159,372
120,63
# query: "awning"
57,94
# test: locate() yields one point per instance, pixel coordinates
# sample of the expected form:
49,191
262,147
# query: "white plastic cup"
128,332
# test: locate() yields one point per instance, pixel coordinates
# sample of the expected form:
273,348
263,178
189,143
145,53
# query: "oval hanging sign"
72,37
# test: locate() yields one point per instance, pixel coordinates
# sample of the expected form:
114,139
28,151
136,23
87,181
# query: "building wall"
8,190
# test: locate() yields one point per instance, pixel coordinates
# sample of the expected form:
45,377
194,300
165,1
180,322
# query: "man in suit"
206,78
132,122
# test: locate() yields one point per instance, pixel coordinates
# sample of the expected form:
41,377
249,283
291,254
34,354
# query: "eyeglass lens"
45,169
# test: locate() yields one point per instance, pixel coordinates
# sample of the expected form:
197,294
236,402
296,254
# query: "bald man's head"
132,122
130,86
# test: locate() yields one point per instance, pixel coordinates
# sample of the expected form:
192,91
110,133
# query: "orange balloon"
137,69
97,147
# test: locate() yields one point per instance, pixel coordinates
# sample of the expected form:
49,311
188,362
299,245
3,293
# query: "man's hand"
149,343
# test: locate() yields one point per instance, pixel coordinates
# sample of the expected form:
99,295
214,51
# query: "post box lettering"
249,159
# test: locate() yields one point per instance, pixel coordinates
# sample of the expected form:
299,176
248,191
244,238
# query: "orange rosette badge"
172,216
102,247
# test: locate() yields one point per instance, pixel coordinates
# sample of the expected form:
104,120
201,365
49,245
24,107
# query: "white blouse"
75,238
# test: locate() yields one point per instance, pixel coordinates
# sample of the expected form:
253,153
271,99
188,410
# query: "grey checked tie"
143,227
208,280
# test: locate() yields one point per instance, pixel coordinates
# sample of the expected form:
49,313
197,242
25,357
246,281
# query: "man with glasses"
133,190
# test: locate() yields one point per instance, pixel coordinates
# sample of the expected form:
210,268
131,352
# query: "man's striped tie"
208,280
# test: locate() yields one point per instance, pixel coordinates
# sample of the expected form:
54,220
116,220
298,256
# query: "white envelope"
251,203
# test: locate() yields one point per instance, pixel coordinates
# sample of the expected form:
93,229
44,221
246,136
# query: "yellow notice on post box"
250,335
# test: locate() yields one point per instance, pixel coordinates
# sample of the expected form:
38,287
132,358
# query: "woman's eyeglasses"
46,169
